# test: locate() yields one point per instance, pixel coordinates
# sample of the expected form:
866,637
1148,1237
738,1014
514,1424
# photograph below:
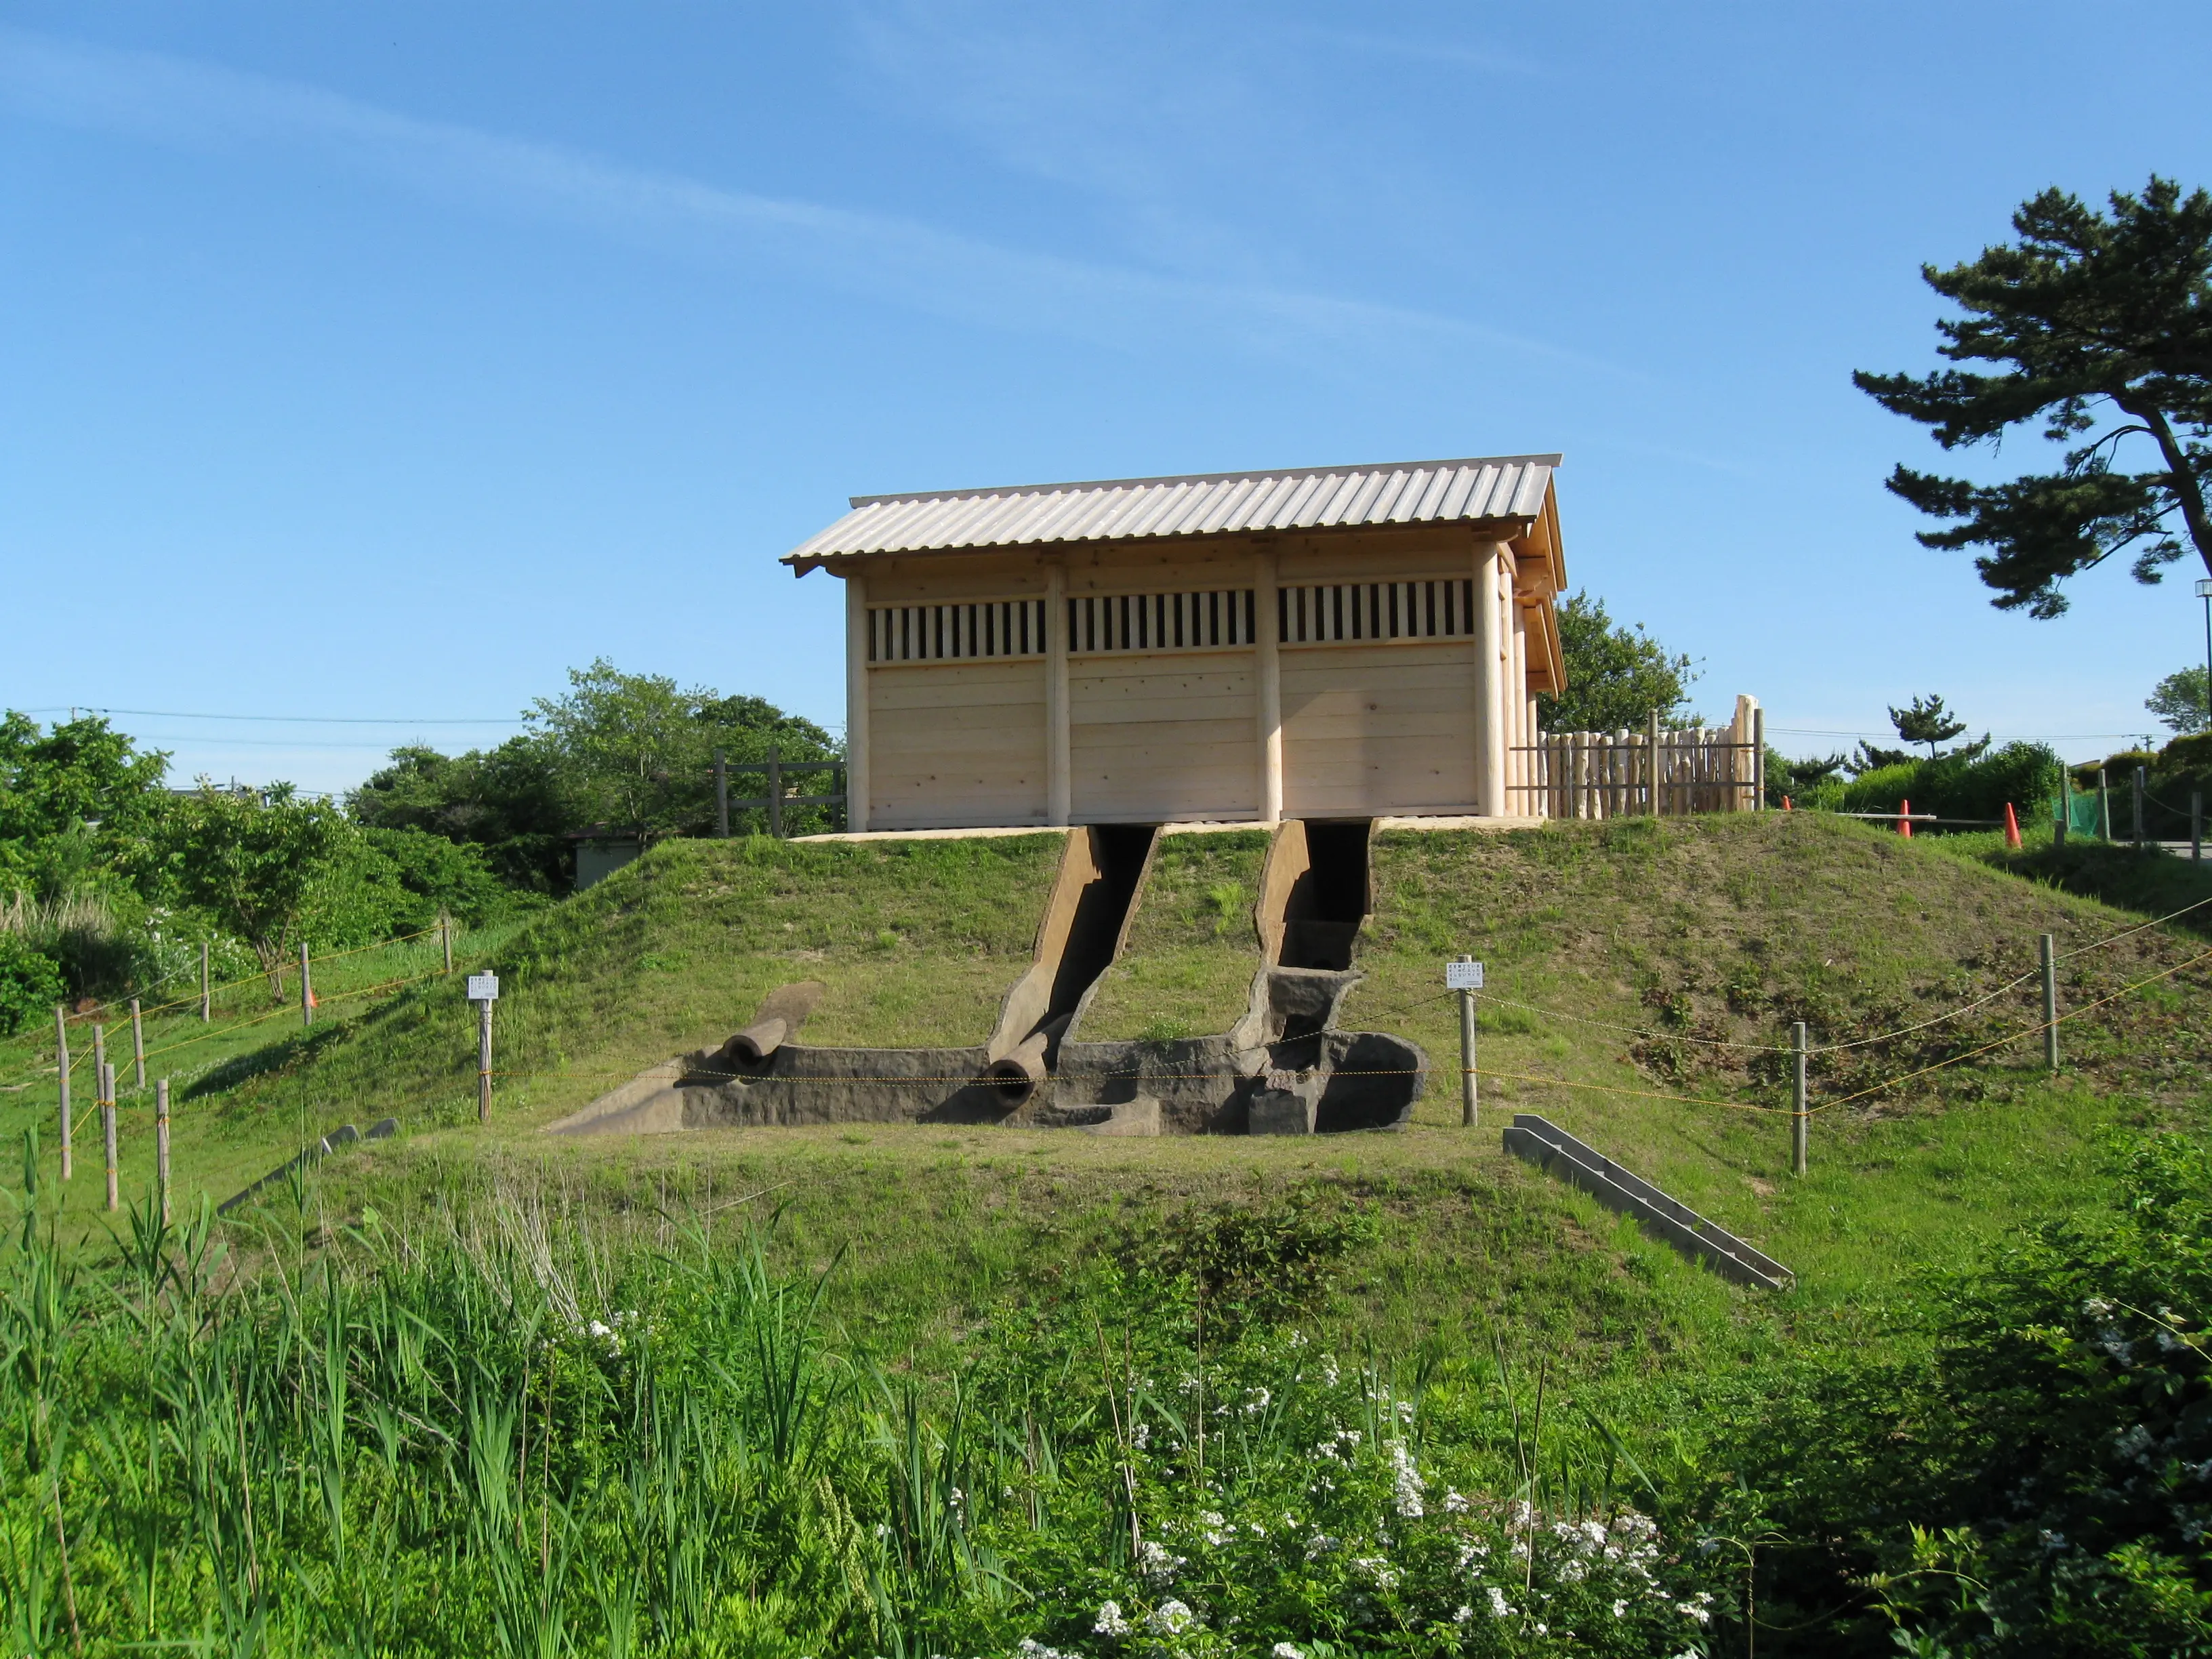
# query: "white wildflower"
1620,1609
1461,1613
1407,1479
1171,1618
1696,1607
2097,1308
1256,1401
1454,1503
1500,1607
1376,1571
1284,1650
1319,1545
1215,1528
1155,1565
1140,1436
1029,1648
1109,1621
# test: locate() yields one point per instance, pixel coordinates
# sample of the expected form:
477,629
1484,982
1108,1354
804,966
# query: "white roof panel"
1482,489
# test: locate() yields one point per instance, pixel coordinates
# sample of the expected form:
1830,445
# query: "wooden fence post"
61,1058
775,792
2197,826
1801,1122
162,1144
206,990
445,939
2138,804
107,1134
1759,760
723,794
307,991
2049,1004
137,1047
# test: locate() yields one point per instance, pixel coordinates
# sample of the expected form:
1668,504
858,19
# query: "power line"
292,720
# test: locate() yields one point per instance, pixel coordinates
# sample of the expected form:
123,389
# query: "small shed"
1245,647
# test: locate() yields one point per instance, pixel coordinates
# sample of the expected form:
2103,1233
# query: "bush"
2025,774
30,984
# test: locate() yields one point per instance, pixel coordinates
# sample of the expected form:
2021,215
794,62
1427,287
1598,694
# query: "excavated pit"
1282,1068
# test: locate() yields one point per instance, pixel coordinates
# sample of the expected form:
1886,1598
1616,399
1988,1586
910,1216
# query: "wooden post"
2138,793
1801,1120
138,1046
2049,1004
162,1144
446,939
107,1134
1059,777
2065,808
206,990
1758,758
306,990
1489,674
1652,763
1467,1076
2197,826
721,794
775,775
1269,663
2103,805
62,1059
856,701
483,1059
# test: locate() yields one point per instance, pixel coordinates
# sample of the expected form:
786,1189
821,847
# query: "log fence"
1653,772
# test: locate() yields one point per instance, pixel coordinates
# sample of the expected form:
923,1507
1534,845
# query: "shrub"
2024,774
30,983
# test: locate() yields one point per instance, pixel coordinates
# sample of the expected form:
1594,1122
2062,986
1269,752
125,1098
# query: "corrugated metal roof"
1485,489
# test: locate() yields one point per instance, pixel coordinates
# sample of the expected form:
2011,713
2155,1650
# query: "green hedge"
2025,775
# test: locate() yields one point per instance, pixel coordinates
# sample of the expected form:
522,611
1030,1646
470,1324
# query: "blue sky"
382,362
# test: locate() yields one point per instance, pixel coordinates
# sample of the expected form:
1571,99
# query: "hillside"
1711,928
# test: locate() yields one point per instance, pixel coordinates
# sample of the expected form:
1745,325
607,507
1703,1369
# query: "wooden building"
1329,642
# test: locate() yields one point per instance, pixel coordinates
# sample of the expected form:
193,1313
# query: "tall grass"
497,1432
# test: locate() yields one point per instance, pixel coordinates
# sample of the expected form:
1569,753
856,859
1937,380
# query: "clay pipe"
1017,1076
755,1042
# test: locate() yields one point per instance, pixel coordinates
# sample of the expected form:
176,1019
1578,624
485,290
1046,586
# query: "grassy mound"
1621,956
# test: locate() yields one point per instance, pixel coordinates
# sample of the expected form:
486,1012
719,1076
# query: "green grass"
1186,968
1721,928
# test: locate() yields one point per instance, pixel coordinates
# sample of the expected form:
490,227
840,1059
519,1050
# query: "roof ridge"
1073,486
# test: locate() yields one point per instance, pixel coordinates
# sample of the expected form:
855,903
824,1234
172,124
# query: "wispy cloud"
179,102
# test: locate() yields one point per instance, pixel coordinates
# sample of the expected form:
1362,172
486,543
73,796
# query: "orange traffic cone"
1786,805
2012,826
1905,819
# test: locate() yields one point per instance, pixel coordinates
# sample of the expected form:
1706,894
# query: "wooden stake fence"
1623,773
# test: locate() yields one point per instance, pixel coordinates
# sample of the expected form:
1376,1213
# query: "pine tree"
2104,328
1924,719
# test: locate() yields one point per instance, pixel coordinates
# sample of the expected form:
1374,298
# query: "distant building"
1326,642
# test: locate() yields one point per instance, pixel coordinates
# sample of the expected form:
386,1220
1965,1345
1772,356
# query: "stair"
1667,1219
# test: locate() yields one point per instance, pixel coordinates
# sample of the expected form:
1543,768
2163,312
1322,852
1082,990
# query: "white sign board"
483,987
1462,976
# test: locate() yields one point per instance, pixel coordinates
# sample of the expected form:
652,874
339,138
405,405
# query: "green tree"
2103,326
73,801
255,864
634,751
1616,675
506,801
2181,701
1924,719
